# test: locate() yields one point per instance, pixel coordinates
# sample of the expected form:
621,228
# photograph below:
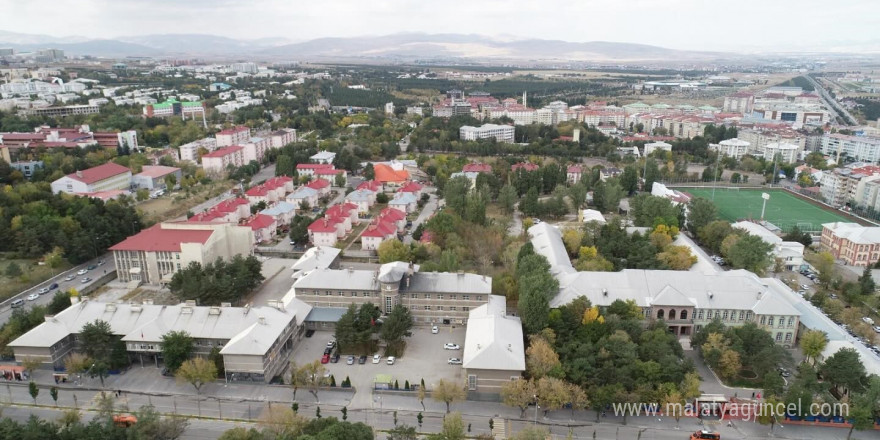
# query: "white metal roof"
494,341
318,257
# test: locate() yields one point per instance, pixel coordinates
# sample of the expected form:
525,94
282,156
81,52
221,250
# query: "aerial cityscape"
530,221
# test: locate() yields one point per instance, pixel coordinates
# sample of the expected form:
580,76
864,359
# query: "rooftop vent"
711,295
214,311
225,304
186,310
190,302
136,308
262,320
110,307
604,292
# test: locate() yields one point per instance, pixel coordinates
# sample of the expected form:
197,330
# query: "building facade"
107,177
855,244
501,133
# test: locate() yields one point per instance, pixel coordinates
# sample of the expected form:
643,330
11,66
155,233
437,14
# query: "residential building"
494,353
651,147
404,202
233,136
376,233
741,102
227,211
216,162
413,188
316,257
192,150
685,300
255,342
282,212
255,149
304,197
280,138
390,176
309,169
854,244
325,157
501,133
607,173
364,199
322,232
790,252
432,297
574,173
527,166
109,176
675,196
860,148
27,168
153,255
62,111
153,177
735,148
322,186
784,153
760,134
263,227
76,137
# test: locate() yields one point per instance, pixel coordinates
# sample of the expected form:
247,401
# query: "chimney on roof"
711,295
79,173
262,320
604,292
49,318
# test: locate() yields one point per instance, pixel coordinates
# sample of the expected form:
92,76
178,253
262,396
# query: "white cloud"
680,24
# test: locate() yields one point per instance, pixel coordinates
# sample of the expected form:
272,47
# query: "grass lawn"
783,209
178,203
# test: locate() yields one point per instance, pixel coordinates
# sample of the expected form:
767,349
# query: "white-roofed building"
791,252
651,147
255,342
735,148
853,243
685,300
493,349
325,157
317,257
591,215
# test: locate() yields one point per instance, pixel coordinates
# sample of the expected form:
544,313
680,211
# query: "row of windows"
780,322
725,315
439,308
787,337
438,296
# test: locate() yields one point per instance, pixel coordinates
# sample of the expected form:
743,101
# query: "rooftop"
855,232
224,151
155,171
160,237
494,341
99,173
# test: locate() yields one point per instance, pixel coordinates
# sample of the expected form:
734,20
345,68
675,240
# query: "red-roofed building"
112,194
233,136
394,216
371,185
264,227
269,191
528,166
308,169
109,176
285,182
238,206
320,185
574,173
80,136
389,176
411,187
347,213
477,167
330,175
215,162
322,232
153,255
153,177
427,237
376,233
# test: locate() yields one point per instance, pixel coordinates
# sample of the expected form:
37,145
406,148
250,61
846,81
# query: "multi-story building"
790,252
192,150
685,300
651,147
27,168
153,177
861,148
735,148
280,138
741,102
216,162
784,153
432,297
853,243
153,255
107,177
255,342
78,136
494,353
501,133
233,136
255,149
55,112
173,107
574,173
760,135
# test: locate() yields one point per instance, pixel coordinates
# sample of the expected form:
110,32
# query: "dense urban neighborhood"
239,239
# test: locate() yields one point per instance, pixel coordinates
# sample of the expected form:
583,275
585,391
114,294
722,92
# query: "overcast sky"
678,24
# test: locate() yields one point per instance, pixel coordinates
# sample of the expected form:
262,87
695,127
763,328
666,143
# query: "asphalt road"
63,285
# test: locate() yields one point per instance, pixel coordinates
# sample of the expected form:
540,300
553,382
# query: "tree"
531,433
714,233
861,413
519,393
552,393
176,348
197,372
299,229
453,427
767,412
396,326
677,257
393,250
629,180
866,282
60,302
533,303
844,369
403,432
98,342
701,212
369,172
507,199
578,195
76,363
673,404
53,393
339,181
448,393
813,342
541,359
34,391
652,174
150,424
825,266
314,375
750,252
281,422
690,386
13,270
30,364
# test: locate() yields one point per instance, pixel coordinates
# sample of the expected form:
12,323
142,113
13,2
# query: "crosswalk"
499,429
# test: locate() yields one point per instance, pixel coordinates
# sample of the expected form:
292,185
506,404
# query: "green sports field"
783,209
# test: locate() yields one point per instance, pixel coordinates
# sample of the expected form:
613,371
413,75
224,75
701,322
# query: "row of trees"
217,282
356,327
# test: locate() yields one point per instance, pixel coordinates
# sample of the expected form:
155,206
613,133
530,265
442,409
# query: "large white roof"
494,341
855,232
318,257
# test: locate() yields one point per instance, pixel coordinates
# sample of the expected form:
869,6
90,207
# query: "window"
427,296
472,382
341,293
683,314
412,307
770,321
366,294
427,307
414,296
700,314
466,309
716,314
790,321
778,337
451,296
452,308
781,321
354,294
741,315
788,337
440,308
763,320
466,297
439,296
748,316
724,316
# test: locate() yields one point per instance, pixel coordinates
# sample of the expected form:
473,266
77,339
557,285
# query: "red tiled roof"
99,173
259,190
327,171
410,187
260,221
338,210
426,237
385,173
318,184
224,151
477,167
206,216
156,239
279,181
575,169
379,230
528,166
231,204
313,166
322,225
392,214
104,195
372,185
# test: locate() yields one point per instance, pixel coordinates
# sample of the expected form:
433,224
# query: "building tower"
525,103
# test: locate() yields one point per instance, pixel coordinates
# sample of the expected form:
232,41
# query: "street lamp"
536,410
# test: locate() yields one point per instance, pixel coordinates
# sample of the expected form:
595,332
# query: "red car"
325,359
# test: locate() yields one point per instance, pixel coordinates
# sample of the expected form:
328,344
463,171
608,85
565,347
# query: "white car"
43,291
435,330
32,297
804,286
867,320
377,358
451,346
454,361
82,271
390,360
85,280
877,328
70,278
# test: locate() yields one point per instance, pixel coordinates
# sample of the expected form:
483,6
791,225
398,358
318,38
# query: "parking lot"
425,358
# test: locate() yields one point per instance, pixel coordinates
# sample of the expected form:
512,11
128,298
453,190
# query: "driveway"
427,212
516,226
424,358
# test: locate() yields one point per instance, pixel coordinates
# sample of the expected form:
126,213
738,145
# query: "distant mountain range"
396,47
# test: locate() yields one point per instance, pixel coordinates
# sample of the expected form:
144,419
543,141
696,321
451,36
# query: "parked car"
390,360
362,360
377,358
43,291
867,320
85,280
70,277
331,344
327,351
804,286
17,303
454,361
451,346
334,358
877,328
53,286
82,271
309,333
32,297
435,330
350,360
101,262
325,358
92,267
